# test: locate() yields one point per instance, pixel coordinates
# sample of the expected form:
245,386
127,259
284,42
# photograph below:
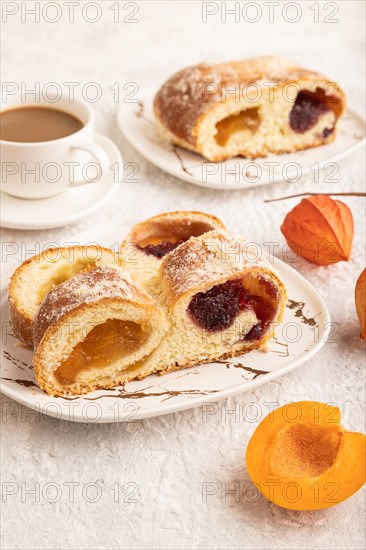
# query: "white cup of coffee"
47,147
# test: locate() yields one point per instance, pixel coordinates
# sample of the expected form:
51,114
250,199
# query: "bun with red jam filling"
219,298
250,108
150,241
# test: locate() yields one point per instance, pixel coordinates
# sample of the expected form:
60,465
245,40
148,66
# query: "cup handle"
97,152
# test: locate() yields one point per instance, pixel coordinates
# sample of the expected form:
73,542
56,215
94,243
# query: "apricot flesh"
301,458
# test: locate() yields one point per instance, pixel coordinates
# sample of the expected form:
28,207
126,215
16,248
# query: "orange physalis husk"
360,298
320,230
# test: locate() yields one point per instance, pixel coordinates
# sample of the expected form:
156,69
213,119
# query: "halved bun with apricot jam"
37,276
92,330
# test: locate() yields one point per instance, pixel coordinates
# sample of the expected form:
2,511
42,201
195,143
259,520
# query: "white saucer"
136,121
69,207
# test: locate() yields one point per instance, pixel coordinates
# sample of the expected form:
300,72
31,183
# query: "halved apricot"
301,458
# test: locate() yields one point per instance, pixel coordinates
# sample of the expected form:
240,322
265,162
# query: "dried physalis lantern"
320,230
360,298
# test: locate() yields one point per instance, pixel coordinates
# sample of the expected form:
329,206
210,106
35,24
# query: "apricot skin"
301,458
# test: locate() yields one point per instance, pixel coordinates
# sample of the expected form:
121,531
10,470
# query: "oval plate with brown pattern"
304,330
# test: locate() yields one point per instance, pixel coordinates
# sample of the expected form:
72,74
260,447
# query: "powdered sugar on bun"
243,107
89,286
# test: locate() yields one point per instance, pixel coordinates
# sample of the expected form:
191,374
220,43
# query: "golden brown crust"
63,307
21,321
222,157
96,284
186,98
172,227
210,259
174,223
124,378
52,332
196,265
217,358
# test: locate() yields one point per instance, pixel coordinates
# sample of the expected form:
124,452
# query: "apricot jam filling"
248,119
216,309
64,274
104,344
163,237
305,450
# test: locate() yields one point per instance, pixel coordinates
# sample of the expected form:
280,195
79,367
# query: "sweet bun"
35,277
220,300
203,295
148,242
251,108
91,330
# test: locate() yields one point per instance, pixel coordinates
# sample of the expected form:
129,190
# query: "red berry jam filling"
327,132
265,312
158,238
306,111
217,308
159,250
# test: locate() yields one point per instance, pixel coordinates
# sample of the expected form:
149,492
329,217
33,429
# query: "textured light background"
171,457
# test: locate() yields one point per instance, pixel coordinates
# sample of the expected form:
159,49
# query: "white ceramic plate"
69,207
303,332
136,121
